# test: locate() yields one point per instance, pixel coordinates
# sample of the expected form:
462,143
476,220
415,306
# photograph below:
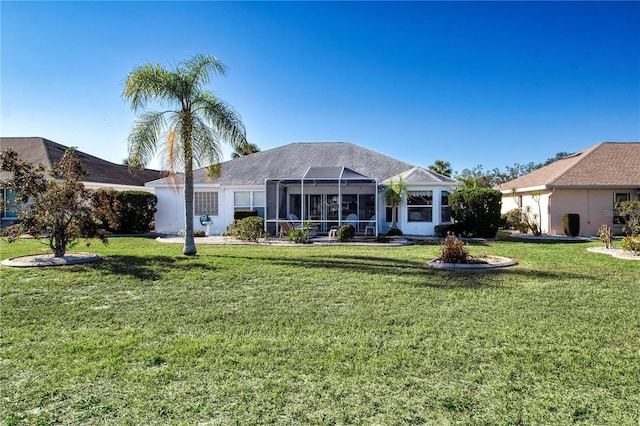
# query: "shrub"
524,227
631,244
477,211
198,233
514,218
135,211
241,214
248,229
571,224
127,212
345,233
605,235
441,231
393,232
298,235
453,250
630,211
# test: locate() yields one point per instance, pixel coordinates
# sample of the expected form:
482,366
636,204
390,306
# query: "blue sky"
479,83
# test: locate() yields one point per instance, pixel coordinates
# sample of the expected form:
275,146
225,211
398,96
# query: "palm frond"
205,143
221,116
199,69
146,83
144,136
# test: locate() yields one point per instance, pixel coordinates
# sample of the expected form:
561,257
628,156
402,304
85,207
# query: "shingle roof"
418,175
40,150
293,161
607,164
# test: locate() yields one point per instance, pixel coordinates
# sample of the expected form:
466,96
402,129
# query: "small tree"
393,196
58,208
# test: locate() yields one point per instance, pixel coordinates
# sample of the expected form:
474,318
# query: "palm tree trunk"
189,241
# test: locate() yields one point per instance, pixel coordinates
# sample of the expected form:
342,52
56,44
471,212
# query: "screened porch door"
322,210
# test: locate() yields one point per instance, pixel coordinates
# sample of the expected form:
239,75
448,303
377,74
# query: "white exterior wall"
169,217
170,214
415,228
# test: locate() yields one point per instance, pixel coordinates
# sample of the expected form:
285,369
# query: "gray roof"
295,159
40,150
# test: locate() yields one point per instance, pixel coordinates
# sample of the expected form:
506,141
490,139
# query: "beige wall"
536,205
595,207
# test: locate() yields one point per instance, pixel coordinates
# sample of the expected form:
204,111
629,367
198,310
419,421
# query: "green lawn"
320,335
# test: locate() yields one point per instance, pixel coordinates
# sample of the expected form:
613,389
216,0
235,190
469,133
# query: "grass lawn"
320,335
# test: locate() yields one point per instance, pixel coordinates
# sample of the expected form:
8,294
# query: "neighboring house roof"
607,164
46,152
295,159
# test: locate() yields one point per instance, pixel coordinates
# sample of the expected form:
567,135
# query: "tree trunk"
189,241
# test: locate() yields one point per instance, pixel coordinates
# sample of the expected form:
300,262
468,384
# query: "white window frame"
419,206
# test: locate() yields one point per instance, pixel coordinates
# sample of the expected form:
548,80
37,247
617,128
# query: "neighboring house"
327,183
589,183
102,174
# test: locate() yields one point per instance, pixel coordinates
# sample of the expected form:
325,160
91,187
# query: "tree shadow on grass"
148,267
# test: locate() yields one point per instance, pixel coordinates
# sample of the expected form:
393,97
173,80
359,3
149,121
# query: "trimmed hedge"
241,214
126,212
477,211
571,224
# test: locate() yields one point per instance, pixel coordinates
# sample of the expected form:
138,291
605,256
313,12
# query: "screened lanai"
325,196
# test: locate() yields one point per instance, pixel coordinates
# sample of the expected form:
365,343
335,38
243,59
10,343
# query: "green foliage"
241,214
571,224
345,232
298,235
125,212
631,244
630,210
453,250
58,208
605,235
135,210
393,195
514,218
477,211
248,229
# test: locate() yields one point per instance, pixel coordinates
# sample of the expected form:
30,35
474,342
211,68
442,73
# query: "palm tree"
191,125
441,167
393,195
246,149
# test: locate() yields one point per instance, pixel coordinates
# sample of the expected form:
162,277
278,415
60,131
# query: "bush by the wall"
241,214
477,211
248,229
126,212
441,231
136,210
571,224
513,218
345,232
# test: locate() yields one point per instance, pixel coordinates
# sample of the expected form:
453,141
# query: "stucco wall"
595,207
537,206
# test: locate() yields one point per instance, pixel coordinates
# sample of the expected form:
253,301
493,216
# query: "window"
619,197
249,200
9,210
205,203
445,210
420,206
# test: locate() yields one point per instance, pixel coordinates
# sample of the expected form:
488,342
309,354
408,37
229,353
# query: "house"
101,173
327,183
590,183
